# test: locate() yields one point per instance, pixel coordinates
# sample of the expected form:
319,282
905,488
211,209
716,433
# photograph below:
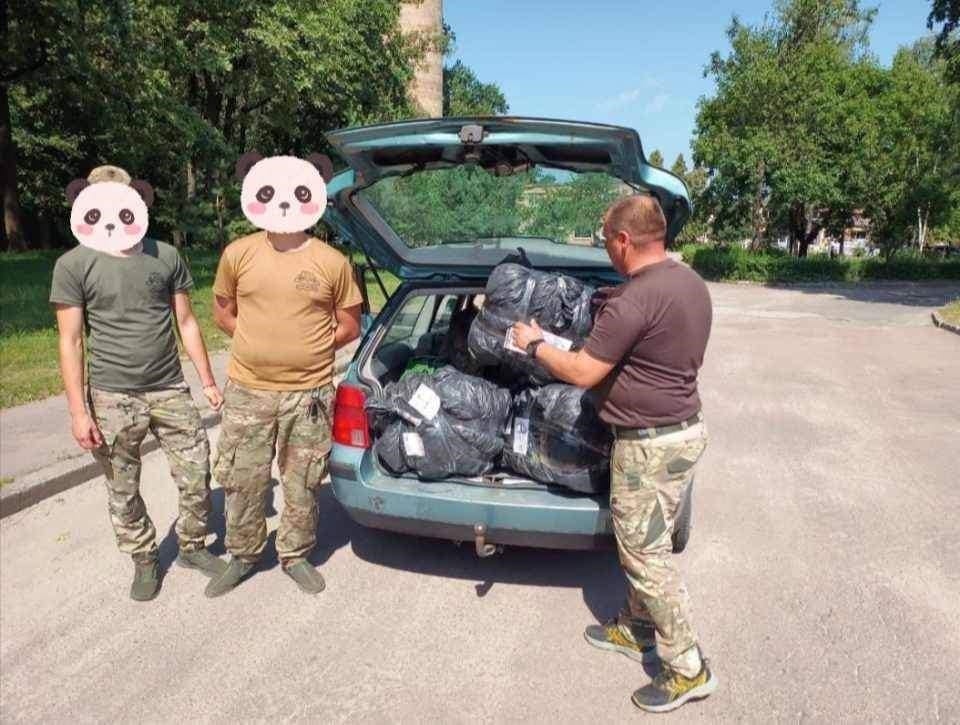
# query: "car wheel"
681,529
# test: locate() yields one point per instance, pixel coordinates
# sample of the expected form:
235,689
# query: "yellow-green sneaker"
640,645
671,689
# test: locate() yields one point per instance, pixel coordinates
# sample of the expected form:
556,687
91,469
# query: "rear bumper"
449,510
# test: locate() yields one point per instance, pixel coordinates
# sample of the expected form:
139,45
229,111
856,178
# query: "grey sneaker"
642,647
146,580
202,560
236,571
305,575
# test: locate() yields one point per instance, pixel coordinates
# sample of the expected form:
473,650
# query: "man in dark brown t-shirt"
642,358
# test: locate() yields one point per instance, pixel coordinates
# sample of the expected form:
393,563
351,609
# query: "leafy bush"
734,263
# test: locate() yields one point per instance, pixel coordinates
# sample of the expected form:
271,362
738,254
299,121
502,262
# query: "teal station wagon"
439,203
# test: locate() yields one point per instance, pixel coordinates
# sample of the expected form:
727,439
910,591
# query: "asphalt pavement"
824,566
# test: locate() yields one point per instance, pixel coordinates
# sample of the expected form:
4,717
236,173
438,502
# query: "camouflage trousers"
172,416
255,424
647,483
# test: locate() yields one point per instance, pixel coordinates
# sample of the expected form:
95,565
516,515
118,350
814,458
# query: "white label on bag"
521,435
561,343
425,402
413,445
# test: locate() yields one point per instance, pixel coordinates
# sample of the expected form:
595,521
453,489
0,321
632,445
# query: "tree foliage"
805,128
946,15
176,90
466,203
466,95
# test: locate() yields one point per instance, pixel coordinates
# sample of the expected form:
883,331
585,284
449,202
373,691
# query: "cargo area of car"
429,327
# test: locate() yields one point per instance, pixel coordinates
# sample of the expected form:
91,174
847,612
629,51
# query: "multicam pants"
172,416
254,423
648,480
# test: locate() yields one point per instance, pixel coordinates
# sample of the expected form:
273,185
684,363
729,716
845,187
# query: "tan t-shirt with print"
285,311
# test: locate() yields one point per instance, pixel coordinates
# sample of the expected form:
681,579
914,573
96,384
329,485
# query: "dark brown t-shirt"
654,328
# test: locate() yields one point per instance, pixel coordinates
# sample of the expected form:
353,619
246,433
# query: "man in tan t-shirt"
289,301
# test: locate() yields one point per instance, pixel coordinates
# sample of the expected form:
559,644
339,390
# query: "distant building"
425,18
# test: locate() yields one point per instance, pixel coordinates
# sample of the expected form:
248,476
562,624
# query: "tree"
465,95
176,90
680,167
780,133
656,158
570,209
947,12
913,163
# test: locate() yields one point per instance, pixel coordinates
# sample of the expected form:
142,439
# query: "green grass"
6,480
28,334
737,264
951,313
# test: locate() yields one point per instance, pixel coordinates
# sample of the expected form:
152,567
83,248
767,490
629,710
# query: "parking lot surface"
824,566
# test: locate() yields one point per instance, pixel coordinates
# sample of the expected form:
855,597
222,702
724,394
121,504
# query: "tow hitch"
480,540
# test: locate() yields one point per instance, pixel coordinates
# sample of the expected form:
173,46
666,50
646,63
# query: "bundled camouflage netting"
560,305
566,443
463,438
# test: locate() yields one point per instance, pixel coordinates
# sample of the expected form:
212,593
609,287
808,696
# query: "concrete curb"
58,477
62,475
943,324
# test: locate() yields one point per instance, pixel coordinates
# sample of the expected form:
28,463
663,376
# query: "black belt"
638,434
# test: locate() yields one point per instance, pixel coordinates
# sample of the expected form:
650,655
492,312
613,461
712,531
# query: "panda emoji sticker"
109,216
284,194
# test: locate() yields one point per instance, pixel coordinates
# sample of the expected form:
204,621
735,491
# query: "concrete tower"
425,17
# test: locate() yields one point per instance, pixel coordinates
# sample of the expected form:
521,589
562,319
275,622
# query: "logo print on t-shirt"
156,282
307,281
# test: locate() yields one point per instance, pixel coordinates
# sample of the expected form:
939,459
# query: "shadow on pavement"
597,573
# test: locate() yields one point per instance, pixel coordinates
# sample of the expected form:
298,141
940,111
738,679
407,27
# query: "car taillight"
350,427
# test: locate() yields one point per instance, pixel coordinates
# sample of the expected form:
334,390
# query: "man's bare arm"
577,368
348,326
225,314
193,343
70,325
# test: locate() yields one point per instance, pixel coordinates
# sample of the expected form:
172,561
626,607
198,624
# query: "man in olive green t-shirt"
125,301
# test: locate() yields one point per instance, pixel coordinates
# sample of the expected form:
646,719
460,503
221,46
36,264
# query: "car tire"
681,529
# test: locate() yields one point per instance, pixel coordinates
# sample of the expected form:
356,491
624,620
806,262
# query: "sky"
635,64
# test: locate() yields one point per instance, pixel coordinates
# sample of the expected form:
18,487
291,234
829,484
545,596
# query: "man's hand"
86,432
523,335
214,396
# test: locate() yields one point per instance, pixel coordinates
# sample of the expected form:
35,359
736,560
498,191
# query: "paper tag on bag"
413,445
425,402
508,343
521,435
561,343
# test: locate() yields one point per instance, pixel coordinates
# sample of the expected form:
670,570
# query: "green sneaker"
670,689
146,580
202,560
236,571
305,575
641,646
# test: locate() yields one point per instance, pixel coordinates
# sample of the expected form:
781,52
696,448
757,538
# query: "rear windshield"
469,205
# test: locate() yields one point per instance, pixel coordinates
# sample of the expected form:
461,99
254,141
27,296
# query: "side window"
423,323
404,324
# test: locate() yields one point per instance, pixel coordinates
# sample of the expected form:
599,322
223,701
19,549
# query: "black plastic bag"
561,305
442,424
558,438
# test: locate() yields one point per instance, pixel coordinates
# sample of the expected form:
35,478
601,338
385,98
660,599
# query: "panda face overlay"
109,216
283,194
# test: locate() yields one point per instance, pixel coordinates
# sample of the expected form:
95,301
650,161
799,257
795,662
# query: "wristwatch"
532,347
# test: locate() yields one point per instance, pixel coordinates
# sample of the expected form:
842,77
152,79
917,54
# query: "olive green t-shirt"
128,312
